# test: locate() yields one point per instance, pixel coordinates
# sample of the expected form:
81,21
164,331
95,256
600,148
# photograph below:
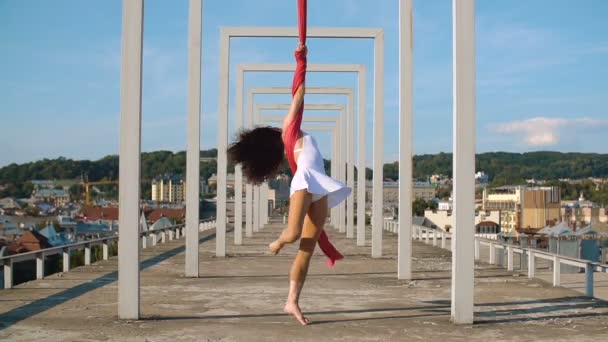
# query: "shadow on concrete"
40,305
318,275
317,313
534,313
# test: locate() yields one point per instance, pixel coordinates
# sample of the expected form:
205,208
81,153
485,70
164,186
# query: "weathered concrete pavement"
240,298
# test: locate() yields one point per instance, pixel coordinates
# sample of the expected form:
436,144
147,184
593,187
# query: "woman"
313,193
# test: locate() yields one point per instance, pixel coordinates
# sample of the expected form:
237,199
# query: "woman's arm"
296,104
298,96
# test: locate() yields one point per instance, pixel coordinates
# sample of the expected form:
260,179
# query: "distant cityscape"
59,212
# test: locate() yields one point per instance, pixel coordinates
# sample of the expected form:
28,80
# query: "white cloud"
545,131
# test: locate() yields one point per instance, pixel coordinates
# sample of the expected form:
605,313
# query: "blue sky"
542,72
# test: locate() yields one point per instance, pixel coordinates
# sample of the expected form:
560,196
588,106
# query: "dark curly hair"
260,151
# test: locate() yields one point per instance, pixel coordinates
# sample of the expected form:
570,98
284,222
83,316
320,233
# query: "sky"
542,73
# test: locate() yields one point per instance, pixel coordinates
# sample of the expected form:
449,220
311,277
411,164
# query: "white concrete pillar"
105,251
334,173
40,265
406,140
66,260
350,177
256,208
556,271
87,254
361,160
492,258
222,144
378,147
193,178
477,249
531,265
510,258
129,164
238,171
463,263
342,142
8,274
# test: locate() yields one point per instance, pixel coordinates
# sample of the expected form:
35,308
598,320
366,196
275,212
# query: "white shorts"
317,197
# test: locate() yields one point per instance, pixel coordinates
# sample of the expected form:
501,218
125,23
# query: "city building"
582,211
523,207
43,184
445,220
169,189
422,190
440,179
9,203
481,178
213,181
56,197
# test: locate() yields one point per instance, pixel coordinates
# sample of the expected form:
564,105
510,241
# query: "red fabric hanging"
293,131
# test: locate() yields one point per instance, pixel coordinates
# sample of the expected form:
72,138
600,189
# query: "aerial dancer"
260,152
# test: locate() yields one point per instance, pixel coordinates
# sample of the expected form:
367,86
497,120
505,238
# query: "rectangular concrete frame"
361,117
338,213
286,32
311,90
464,154
342,173
251,216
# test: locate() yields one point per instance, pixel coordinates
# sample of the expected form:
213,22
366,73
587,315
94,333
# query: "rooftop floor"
240,297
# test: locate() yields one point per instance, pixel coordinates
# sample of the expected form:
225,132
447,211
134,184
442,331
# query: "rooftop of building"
240,298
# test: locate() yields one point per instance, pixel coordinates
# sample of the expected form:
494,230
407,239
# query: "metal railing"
152,238
437,236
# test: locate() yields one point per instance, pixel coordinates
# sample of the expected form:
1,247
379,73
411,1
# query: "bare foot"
294,310
275,247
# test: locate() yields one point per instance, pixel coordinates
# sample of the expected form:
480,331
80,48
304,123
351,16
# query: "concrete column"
510,258
144,242
556,271
531,265
222,144
129,164
350,179
256,208
66,260
378,147
334,173
40,265
238,172
477,249
105,250
435,238
248,187
589,280
361,160
342,142
87,254
463,263
193,178
406,140
492,258
8,274
443,241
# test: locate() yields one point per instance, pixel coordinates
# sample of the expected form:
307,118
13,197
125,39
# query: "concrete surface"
240,298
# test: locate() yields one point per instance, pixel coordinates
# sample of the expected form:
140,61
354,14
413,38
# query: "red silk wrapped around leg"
293,130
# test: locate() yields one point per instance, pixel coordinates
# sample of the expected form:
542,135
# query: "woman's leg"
299,204
313,225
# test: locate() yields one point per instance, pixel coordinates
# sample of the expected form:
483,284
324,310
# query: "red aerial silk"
293,131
